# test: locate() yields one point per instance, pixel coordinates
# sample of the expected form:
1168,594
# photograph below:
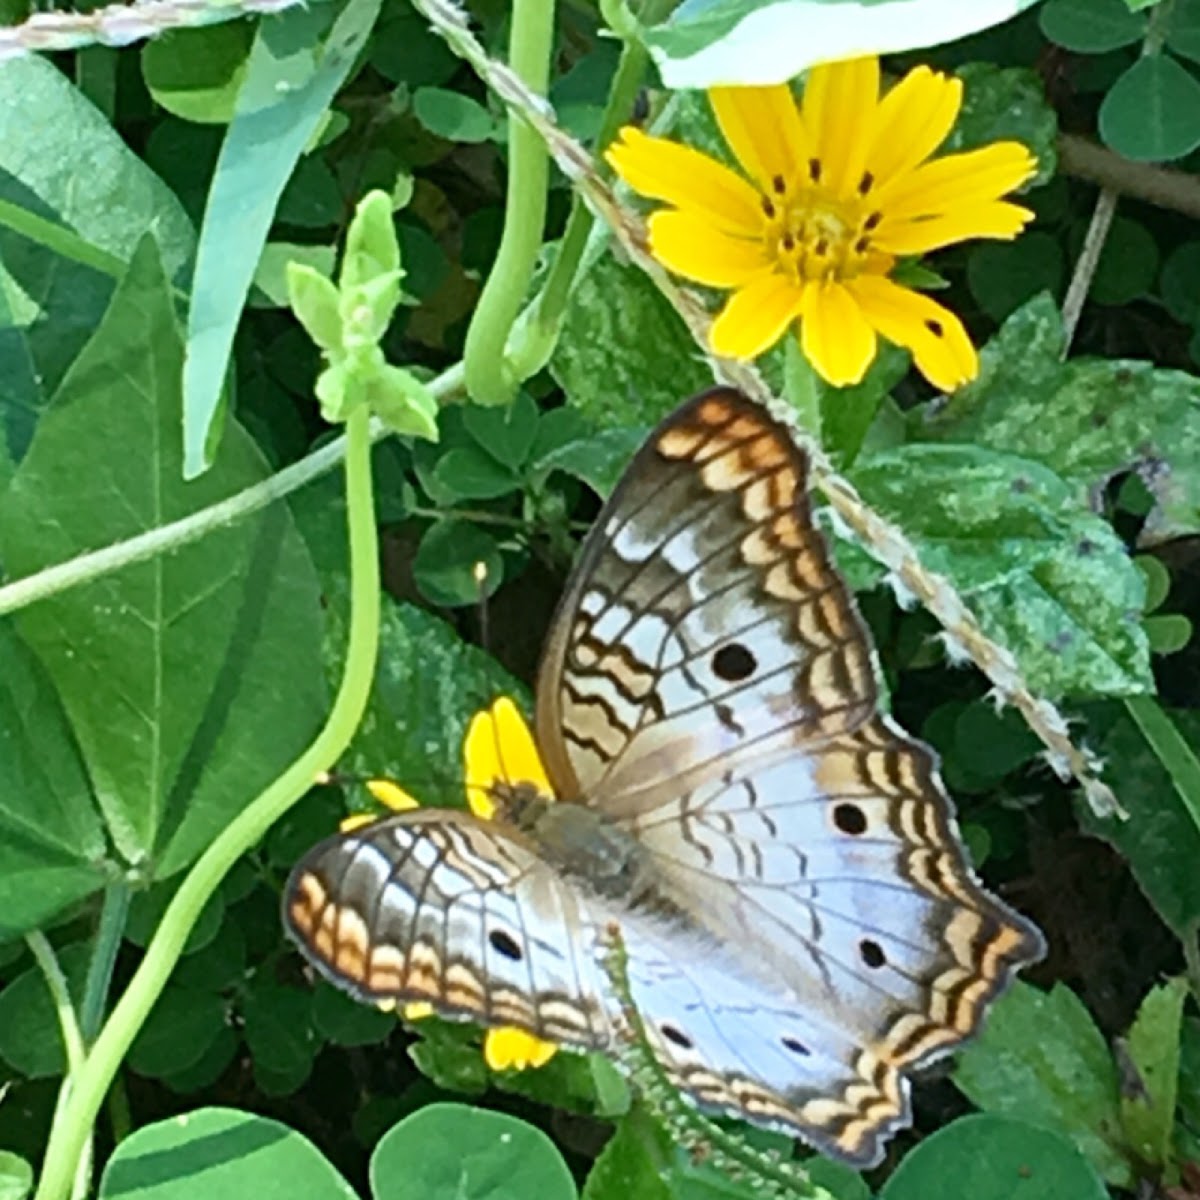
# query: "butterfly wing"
438,906
710,687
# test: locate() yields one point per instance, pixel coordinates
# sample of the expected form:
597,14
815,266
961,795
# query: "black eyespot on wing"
872,953
733,663
677,1036
796,1047
851,819
502,943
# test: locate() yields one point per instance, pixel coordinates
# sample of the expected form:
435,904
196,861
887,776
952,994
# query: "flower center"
815,234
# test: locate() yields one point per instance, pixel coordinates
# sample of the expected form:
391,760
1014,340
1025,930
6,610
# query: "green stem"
71,1128
539,337
96,563
490,378
1170,748
104,956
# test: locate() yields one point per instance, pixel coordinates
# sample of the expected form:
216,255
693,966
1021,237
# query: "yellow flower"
498,750
838,190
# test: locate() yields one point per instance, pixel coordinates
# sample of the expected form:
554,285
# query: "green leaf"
1189,1091
1042,1058
623,356
1087,419
16,1176
1004,275
632,1161
1128,264
148,905
994,1158
506,433
1168,633
447,560
599,460
1183,28
1006,104
1161,839
468,1153
1148,1108
52,847
279,1034
452,115
1091,26
192,679
348,1022
450,1056
182,1026
405,49
1178,283
291,77
220,1152
1046,577
196,73
468,473
1152,113
30,1036
63,161
752,41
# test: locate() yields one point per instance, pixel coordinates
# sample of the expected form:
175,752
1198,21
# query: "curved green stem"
72,1126
490,378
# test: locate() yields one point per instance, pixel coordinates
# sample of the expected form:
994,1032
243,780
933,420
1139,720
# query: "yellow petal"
762,127
499,749
835,336
939,343
510,1049
914,119
691,246
417,1010
392,795
755,316
958,180
686,178
356,821
839,113
993,219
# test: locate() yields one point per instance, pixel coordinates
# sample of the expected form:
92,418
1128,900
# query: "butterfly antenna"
703,1139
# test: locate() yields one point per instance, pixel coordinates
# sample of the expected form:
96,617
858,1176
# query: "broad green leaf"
1148,1106
770,41
623,357
1091,26
219,965
1087,419
294,70
452,115
52,848
189,680
62,163
1128,264
1178,283
468,1153
1152,113
220,1152
994,1158
196,73
30,1036
209,1067
16,1176
1161,840
147,907
468,473
450,1055
1004,275
506,433
182,1026
1046,577
1187,1130
1041,1057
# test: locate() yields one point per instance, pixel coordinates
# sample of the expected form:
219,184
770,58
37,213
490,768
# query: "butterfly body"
799,918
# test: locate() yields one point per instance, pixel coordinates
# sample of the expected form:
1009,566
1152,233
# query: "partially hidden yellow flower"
835,192
499,752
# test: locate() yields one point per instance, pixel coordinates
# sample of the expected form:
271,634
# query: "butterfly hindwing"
438,906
